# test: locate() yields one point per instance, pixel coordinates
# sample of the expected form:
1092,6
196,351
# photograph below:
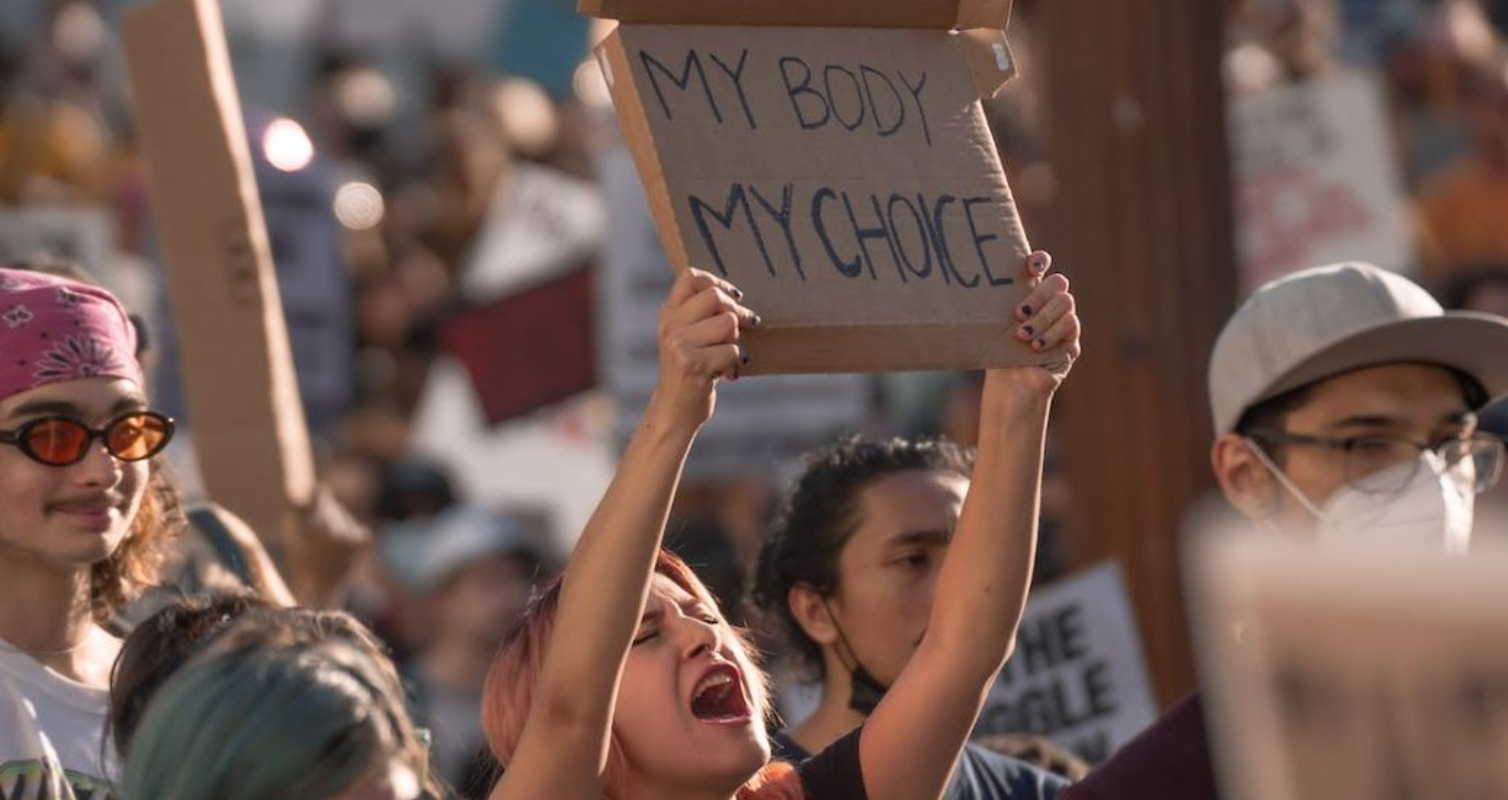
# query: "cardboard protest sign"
1316,180
253,446
1077,675
1352,671
843,177
760,425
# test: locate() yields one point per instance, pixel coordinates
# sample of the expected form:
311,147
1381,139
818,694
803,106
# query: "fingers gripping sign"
701,325
1047,319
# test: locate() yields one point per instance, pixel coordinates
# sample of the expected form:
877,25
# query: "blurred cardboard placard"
1077,675
760,425
1316,179
249,430
1348,672
841,174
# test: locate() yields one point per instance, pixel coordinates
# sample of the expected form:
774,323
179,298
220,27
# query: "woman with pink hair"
646,693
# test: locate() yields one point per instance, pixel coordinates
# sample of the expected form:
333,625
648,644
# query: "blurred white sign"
1315,179
1077,675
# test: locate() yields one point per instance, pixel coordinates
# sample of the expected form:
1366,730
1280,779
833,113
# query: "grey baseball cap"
1330,320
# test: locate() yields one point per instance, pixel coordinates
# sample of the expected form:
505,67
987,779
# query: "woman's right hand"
700,327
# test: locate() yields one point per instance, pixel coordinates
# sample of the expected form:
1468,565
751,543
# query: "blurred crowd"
380,180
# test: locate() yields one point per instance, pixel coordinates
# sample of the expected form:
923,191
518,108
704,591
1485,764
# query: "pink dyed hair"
509,691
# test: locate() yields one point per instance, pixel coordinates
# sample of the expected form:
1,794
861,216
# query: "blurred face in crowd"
1414,402
689,714
71,516
1489,113
484,599
887,573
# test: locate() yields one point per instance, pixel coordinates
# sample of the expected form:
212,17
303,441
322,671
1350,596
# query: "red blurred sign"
528,350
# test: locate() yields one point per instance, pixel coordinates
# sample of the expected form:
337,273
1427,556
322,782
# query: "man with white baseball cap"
1344,402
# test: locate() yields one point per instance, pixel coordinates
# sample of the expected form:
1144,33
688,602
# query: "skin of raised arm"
562,753
912,740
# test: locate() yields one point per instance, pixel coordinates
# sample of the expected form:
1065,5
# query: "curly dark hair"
134,565
821,513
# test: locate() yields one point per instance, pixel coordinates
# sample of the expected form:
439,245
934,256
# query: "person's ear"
809,609
1245,480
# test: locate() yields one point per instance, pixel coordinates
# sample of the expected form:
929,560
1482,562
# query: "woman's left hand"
1046,322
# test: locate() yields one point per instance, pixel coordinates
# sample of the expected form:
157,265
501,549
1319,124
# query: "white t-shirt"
51,734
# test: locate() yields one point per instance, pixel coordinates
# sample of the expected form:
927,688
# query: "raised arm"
563,750
911,741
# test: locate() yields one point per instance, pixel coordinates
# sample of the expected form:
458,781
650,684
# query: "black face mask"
866,691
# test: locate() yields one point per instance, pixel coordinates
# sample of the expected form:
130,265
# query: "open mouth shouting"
718,698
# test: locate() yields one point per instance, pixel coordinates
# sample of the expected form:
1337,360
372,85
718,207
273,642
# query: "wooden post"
1143,223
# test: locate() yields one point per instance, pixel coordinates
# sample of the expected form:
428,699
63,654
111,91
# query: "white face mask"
1434,510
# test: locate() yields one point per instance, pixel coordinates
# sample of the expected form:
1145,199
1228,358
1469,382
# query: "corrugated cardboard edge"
990,59
888,348
613,59
931,14
195,26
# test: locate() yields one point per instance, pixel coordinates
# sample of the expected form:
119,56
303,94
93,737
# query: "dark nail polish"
1041,344
758,320
738,294
745,359
1026,311
1028,330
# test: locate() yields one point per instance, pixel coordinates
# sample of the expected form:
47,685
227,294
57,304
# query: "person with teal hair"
312,721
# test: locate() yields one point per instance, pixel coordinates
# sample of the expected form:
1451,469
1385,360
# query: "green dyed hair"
267,724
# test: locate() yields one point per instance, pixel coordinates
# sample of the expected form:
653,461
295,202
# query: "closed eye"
646,636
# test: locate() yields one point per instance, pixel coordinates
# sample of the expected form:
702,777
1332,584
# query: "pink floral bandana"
53,329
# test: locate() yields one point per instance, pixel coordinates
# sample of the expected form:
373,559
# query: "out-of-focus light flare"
526,115
359,206
287,146
590,85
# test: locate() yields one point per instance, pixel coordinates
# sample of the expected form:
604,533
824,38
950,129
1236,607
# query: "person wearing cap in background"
472,570
1344,402
84,512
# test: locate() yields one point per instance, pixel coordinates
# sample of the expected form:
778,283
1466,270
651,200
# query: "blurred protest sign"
843,177
510,409
760,424
1077,675
1316,180
559,459
526,336
542,222
530,349
1352,672
253,446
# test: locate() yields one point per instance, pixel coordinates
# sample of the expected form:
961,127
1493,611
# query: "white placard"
542,223
1077,675
761,423
1316,180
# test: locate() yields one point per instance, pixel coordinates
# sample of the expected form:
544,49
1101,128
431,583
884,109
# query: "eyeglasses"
61,441
1369,461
